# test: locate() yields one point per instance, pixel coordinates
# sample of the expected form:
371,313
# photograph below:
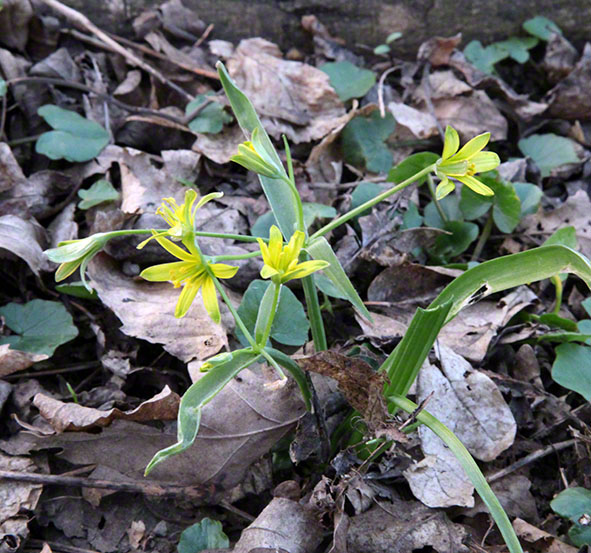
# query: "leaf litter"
104,401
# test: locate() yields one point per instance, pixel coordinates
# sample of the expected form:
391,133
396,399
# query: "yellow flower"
252,156
181,218
192,275
281,263
464,164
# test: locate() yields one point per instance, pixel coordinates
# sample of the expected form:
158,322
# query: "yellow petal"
208,198
264,251
66,269
162,272
267,271
293,248
154,234
444,188
221,270
472,147
186,298
304,269
175,250
190,197
451,143
477,186
453,168
485,161
275,246
210,300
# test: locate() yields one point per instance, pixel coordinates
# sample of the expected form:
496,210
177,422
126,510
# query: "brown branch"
80,20
145,488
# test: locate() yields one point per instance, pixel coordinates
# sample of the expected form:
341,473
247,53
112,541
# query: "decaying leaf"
540,540
12,361
291,97
65,417
24,239
147,311
11,173
15,496
421,125
14,23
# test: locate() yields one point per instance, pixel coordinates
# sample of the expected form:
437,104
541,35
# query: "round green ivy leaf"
348,80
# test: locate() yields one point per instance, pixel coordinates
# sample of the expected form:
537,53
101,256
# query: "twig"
56,546
204,36
145,488
82,21
3,115
51,372
530,459
381,90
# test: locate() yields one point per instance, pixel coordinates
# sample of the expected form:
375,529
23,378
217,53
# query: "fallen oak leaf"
68,417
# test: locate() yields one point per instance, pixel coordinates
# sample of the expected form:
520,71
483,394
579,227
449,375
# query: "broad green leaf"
320,249
482,58
451,207
290,326
41,326
411,218
325,285
529,196
587,306
364,192
224,369
3,87
278,192
572,368
77,289
348,80
212,117
363,141
565,236
312,212
548,151
518,47
574,503
448,246
74,138
206,534
411,166
541,27
468,464
381,49
552,319
101,191
393,36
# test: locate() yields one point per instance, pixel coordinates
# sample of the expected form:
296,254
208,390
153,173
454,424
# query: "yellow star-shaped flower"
281,263
464,164
191,274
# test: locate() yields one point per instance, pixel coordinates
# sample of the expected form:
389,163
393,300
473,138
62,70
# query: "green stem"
556,280
291,182
370,203
431,186
484,236
216,258
314,313
239,237
270,316
469,465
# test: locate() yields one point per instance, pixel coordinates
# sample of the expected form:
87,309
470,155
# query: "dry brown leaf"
15,16
12,361
437,50
15,496
291,97
147,311
58,65
570,98
11,173
559,58
283,525
65,417
540,540
421,125
220,147
24,239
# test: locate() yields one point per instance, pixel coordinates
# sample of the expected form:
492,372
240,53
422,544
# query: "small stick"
82,21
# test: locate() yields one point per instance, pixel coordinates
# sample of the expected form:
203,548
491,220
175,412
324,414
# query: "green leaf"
448,246
393,36
3,87
575,503
278,193
348,80
101,191
212,117
206,534
74,138
411,218
290,326
77,289
363,141
312,212
411,166
225,367
320,249
572,368
518,47
381,49
541,27
451,207
41,326
565,236
482,58
529,196
325,285
548,151
364,192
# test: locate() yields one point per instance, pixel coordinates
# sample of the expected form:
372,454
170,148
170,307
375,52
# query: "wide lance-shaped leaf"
278,193
492,276
572,368
200,393
41,326
319,249
74,138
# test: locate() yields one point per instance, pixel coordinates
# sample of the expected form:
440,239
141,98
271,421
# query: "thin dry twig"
80,20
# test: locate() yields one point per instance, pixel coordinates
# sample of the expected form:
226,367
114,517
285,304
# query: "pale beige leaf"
12,361
25,239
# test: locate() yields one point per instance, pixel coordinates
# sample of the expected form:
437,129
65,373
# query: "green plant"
383,49
301,257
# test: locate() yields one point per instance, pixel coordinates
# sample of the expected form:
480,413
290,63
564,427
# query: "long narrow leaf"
278,193
469,465
198,394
